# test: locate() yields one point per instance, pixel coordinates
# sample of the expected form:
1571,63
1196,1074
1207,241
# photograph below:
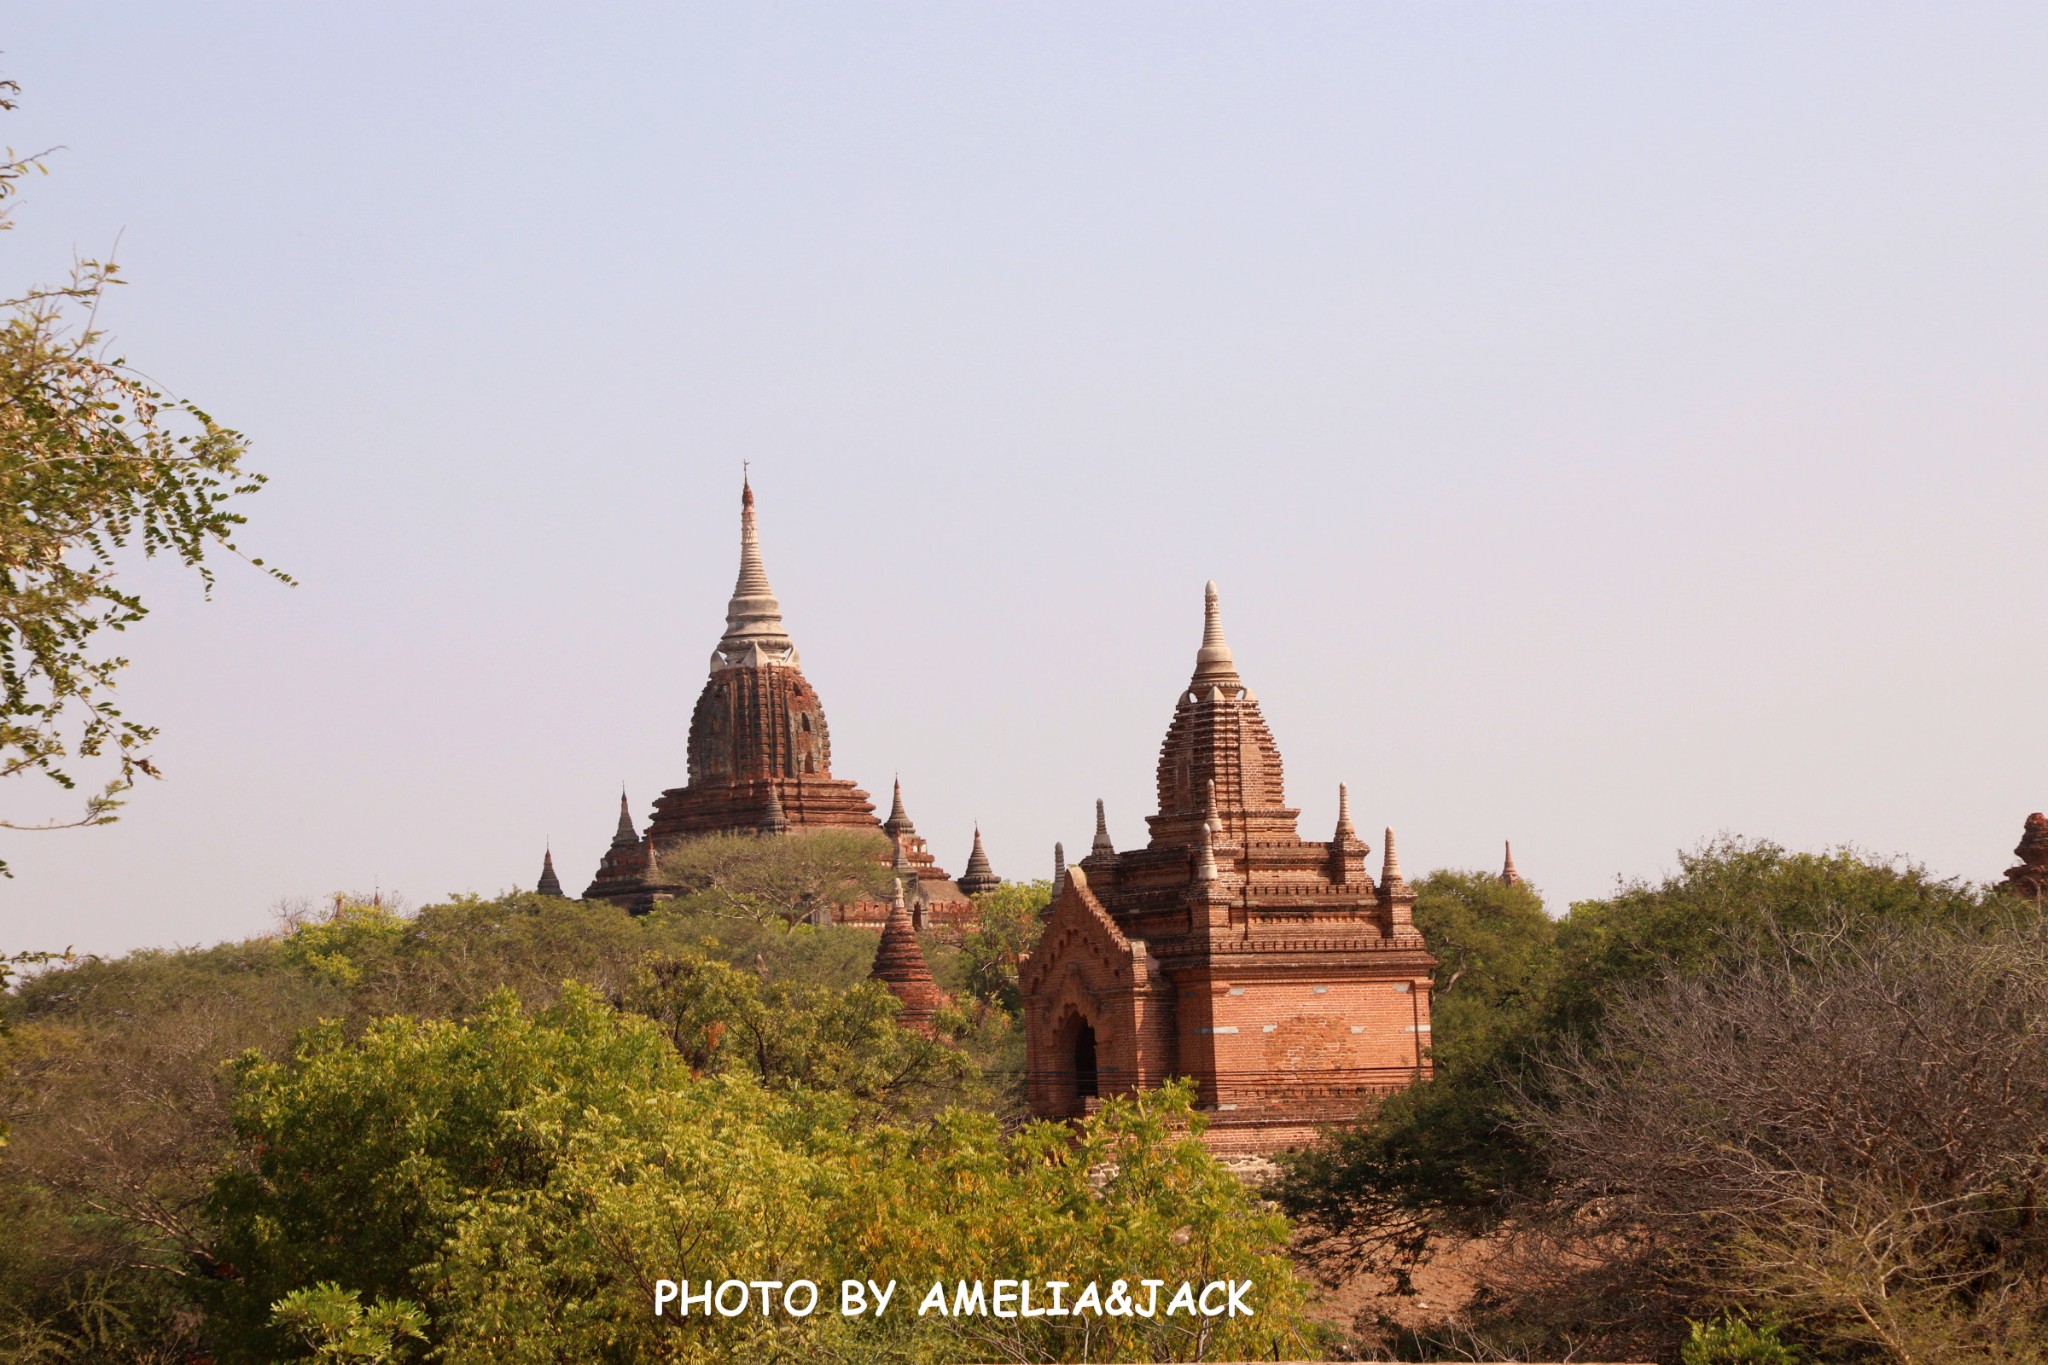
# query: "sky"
1609,425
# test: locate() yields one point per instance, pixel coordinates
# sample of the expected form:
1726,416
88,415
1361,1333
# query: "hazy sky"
1608,424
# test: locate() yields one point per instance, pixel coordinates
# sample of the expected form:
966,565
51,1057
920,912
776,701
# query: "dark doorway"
1084,1063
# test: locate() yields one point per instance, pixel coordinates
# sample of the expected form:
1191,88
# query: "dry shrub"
1845,1130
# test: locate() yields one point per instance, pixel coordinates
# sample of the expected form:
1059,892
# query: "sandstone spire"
1214,666
550,884
900,966
1508,875
754,634
899,861
1391,880
1103,847
979,876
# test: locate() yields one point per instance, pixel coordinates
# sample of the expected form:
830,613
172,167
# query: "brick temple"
760,762
2030,877
1273,970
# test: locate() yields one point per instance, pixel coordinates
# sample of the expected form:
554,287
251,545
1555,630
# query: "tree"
790,1035
525,1178
94,460
1841,1127
1453,1154
1007,926
791,877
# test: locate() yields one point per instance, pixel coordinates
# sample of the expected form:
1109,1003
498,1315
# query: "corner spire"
1059,869
1345,834
754,634
1508,875
1214,666
550,884
979,876
898,822
1391,880
1103,847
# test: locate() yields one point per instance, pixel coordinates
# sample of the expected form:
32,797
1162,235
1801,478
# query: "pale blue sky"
1608,424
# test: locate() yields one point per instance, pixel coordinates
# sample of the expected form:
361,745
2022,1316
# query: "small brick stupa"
550,884
2030,878
979,876
626,872
1508,875
900,966
1267,967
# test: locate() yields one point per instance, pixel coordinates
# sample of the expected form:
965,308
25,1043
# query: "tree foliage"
1007,926
794,878
94,459
526,1177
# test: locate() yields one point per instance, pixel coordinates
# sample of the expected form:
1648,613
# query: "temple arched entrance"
1077,1079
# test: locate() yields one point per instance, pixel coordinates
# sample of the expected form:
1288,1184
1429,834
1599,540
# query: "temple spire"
754,634
1103,847
979,876
550,884
1345,834
625,834
898,822
900,863
1214,666
1390,868
1508,875
1059,869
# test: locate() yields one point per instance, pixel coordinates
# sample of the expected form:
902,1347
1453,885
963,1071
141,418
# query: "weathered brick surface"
1271,969
2030,878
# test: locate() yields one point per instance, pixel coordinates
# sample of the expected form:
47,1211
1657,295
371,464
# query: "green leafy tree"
795,878
1007,927
390,1138
94,459
786,1034
333,1325
1733,1340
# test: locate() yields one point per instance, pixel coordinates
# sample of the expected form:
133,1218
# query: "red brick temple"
2030,878
1273,970
760,761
